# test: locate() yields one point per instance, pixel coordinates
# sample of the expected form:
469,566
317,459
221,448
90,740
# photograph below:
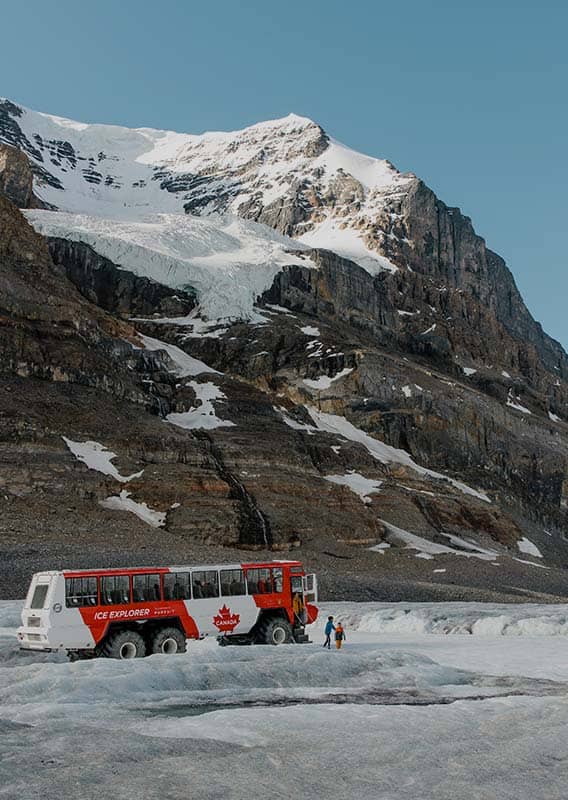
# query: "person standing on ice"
329,627
339,635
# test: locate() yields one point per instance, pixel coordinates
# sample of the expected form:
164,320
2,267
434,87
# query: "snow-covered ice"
403,711
332,234
228,261
107,179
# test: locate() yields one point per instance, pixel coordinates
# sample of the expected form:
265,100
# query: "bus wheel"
168,641
123,645
275,631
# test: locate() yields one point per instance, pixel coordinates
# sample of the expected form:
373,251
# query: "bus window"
205,584
259,581
80,592
232,582
115,590
177,586
277,579
145,588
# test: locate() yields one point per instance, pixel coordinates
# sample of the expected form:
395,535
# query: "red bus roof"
86,573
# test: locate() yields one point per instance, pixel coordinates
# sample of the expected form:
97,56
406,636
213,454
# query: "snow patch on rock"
428,549
332,423
361,486
96,456
526,546
123,502
324,382
292,423
514,402
184,364
202,416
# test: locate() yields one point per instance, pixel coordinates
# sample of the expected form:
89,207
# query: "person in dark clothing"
329,627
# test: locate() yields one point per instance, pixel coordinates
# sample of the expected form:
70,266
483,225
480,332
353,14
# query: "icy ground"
426,701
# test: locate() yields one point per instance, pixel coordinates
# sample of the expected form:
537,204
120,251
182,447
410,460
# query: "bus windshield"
39,595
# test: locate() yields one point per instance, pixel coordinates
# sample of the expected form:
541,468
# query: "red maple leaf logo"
225,621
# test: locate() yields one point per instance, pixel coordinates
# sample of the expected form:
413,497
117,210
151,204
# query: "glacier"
228,261
398,713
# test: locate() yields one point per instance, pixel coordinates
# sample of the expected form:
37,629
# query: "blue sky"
471,96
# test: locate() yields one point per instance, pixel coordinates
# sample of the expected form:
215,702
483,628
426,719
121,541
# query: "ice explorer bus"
133,612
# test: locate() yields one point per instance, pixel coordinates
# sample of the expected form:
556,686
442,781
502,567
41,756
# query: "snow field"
393,716
477,619
526,546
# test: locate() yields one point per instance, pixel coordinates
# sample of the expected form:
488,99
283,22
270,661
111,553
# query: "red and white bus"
133,612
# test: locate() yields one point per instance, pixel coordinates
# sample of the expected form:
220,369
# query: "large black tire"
124,644
275,631
168,641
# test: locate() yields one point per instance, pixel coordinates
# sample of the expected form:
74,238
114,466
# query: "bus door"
297,589
310,590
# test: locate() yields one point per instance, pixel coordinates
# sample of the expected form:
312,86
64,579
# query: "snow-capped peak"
285,173
88,168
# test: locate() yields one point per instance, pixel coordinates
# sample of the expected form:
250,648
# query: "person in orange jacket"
339,635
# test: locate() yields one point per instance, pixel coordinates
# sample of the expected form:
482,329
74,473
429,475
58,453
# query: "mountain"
282,344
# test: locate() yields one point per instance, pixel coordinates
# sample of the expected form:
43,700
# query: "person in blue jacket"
329,627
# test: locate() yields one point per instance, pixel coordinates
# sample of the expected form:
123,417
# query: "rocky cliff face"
440,242
116,290
16,178
389,390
